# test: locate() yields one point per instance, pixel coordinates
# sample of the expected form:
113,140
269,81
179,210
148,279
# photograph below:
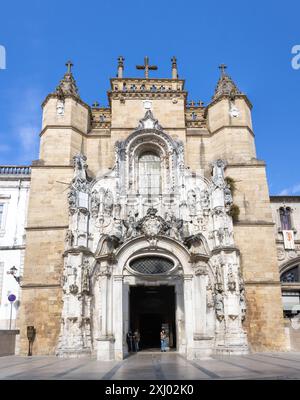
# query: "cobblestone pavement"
154,365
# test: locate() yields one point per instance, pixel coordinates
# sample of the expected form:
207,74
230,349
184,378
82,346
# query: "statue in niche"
204,199
60,107
108,202
174,226
231,279
228,197
95,203
191,202
218,173
209,296
69,239
131,226
72,198
80,166
219,306
85,279
219,275
220,236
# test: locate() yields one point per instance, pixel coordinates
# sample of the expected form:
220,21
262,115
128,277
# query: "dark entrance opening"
151,309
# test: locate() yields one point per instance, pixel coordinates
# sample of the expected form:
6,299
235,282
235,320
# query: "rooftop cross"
69,65
222,68
146,67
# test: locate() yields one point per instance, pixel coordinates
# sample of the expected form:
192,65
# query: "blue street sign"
11,298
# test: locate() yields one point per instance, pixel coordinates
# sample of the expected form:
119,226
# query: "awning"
291,307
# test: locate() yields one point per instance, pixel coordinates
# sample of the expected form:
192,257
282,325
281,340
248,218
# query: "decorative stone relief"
107,212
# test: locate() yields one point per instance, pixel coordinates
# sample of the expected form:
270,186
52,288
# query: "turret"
65,122
229,121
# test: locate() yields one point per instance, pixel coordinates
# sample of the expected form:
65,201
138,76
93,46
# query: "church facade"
150,213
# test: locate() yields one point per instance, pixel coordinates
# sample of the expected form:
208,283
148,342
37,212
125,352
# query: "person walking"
163,340
129,340
137,338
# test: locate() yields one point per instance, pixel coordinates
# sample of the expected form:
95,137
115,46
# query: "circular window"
151,265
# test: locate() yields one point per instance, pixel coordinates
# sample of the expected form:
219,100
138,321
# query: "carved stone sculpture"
231,279
219,306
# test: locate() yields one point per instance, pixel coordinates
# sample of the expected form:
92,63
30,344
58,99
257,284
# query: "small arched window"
285,218
149,174
292,275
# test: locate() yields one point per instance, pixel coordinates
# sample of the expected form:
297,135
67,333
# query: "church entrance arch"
153,293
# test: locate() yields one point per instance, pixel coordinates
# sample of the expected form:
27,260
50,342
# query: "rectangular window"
1,213
1,279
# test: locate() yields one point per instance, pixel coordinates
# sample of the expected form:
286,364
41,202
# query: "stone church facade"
152,212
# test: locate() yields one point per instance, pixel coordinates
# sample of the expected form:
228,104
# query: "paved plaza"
153,365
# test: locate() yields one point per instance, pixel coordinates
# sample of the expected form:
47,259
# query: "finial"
174,68
121,61
69,66
222,67
146,67
200,103
120,66
95,104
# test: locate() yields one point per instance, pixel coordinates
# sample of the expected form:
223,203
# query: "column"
188,311
118,315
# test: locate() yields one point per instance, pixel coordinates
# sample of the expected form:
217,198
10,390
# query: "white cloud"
293,190
26,124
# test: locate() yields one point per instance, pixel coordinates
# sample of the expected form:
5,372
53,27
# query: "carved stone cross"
95,104
222,68
69,65
146,67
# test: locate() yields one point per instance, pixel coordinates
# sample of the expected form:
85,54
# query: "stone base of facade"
72,353
202,348
106,349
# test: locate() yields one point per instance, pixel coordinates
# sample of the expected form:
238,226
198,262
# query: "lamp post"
11,299
12,272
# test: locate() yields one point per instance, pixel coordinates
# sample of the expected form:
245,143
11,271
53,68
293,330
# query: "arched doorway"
152,308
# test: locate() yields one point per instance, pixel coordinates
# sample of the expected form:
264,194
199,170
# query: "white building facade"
14,191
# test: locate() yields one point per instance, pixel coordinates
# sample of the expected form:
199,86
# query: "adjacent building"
14,193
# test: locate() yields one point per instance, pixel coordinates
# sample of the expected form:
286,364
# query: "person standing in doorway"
137,338
163,339
129,340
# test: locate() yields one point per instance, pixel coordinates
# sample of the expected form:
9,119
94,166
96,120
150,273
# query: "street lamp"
13,272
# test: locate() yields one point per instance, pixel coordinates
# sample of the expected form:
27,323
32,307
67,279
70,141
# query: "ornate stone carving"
152,224
219,306
209,296
131,226
85,277
243,304
218,167
148,122
95,204
231,279
69,239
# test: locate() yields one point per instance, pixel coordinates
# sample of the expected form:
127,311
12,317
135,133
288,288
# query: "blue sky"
254,38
